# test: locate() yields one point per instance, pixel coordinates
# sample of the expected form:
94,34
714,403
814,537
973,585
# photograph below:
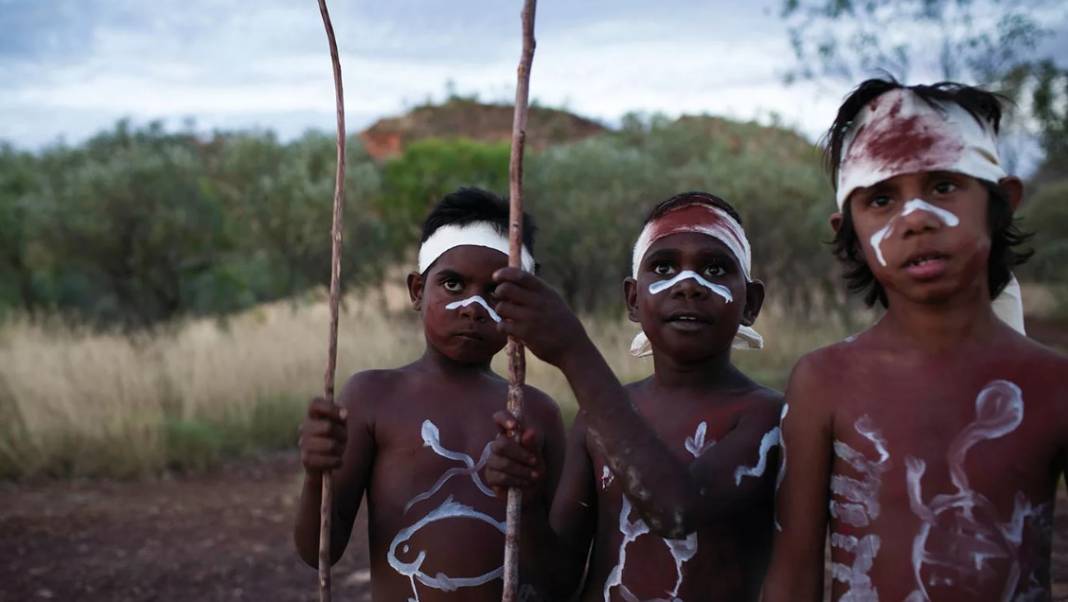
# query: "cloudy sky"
72,67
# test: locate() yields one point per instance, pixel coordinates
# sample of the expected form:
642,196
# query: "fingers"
506,422
517,276
512,311
323,435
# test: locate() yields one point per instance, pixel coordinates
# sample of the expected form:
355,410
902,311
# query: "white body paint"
663,285
475,299
449,509
999,410
768,441
782,462
855,502
912,206
682,550
606,477
695,444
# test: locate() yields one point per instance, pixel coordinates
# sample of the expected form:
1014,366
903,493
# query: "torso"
943,481
717,561
436,531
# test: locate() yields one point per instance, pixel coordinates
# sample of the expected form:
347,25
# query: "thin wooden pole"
516,358
326,506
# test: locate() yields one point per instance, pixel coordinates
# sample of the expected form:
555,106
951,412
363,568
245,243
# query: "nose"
474,311
917,220
689,288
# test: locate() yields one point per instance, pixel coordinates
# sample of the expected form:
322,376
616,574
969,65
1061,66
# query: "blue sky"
72,67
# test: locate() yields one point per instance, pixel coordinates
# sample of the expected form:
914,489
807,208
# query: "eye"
879,201
716,270
453,285
945,187
663,269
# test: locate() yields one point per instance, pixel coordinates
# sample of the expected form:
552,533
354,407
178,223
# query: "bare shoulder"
540,406
814,376
764,404
365,390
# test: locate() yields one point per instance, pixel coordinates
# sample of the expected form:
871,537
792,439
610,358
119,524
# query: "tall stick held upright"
516,359
326,505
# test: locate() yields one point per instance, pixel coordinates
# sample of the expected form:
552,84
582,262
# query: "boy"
931,444
416,438
669,477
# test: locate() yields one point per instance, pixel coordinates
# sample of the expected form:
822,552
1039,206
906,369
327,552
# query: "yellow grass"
74,402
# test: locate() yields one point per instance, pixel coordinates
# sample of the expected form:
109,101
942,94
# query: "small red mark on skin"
905,144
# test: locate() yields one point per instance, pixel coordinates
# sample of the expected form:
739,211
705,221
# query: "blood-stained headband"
479,234
710,221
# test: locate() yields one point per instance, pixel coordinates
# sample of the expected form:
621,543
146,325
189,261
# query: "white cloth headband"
899,132
718,224
479,234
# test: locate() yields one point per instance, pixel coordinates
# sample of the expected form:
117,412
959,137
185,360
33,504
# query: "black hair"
1005,234
468,205
694,197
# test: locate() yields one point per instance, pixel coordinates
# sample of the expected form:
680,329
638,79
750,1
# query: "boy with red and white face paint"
670,478
929,446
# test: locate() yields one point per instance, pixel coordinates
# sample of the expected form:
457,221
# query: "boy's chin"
479,352
691,350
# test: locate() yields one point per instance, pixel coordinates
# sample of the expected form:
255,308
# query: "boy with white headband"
931,445
416,439
670,478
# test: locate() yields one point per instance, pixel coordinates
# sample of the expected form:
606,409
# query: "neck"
944,325
437,362
714,372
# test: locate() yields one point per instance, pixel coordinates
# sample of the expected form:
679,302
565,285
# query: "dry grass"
77,403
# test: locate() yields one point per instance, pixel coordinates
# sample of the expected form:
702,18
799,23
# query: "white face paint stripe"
912,206
475,299
663,285
768,441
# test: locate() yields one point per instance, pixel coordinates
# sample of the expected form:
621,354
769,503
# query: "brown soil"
221,536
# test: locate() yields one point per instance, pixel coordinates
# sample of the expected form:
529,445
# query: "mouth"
926,265
688,320
468,335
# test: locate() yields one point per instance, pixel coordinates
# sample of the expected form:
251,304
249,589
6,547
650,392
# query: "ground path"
220,536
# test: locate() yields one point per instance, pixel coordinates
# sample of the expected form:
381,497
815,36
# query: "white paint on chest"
449,509
782,462
663,285
912,206
475,299
768,441
682,550
999,410
855,502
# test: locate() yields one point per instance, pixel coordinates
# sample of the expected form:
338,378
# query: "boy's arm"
539,317
557,521
350,452
796,570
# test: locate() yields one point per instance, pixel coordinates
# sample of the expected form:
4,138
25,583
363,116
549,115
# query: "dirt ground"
220,536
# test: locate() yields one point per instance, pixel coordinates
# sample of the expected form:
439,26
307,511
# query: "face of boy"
690,319
450,298
925,235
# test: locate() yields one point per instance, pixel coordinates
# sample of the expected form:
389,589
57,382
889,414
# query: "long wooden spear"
516,359
326,505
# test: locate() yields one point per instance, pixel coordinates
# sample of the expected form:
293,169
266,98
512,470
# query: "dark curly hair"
1005,234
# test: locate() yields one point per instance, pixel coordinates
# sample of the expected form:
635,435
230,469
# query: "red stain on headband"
905,144
685,219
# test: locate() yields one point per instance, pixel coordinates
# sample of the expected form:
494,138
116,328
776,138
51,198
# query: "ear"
836,221
630,297
1013,189
415,290
754,300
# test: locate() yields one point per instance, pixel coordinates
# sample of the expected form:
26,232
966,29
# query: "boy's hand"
322,437
514,464
535,314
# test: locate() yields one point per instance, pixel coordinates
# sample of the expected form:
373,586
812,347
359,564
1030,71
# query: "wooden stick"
516,359
326,505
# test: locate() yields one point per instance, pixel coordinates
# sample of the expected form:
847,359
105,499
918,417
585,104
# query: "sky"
71,68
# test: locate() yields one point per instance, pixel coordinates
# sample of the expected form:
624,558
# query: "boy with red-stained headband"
669,478
415,439
931,445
